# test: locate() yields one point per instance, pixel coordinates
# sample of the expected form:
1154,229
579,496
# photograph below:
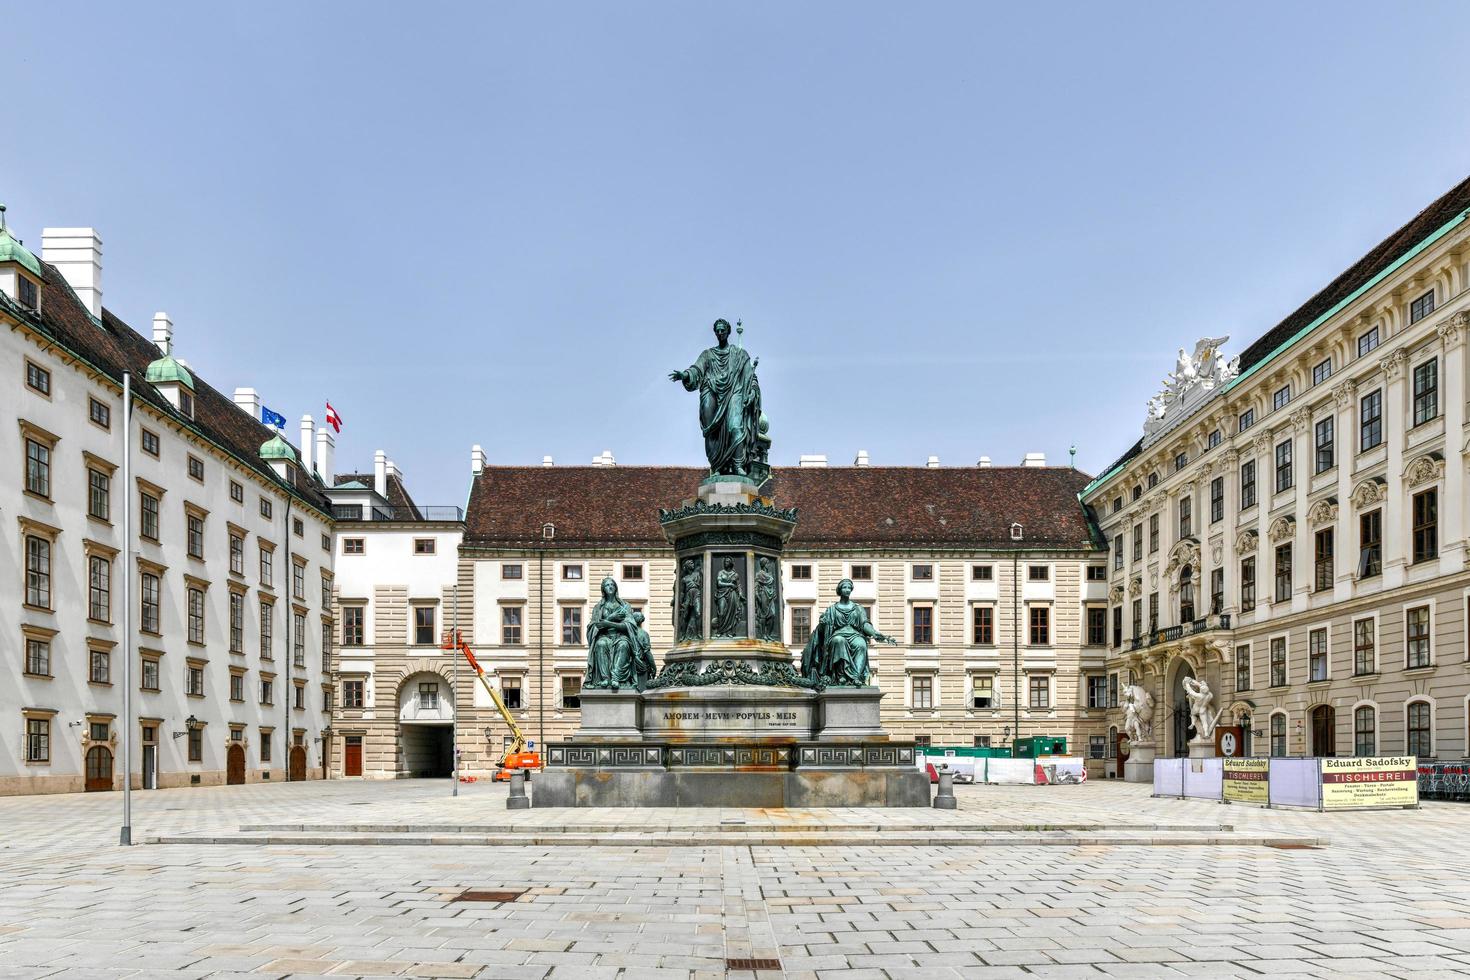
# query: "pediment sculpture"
1283,528
1369,492
1245,542
1194,374
1322,512
1424,469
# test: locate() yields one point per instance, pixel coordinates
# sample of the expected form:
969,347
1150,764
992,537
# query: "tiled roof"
398,497
1379,258
876,506
115,347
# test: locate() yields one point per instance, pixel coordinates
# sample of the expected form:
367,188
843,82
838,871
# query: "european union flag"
271,418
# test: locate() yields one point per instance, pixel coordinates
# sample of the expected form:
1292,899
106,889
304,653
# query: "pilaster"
1395,513
1452,510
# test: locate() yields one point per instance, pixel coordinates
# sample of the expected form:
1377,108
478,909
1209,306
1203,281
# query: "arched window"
1365,731
1278,735
1418,739
1112,747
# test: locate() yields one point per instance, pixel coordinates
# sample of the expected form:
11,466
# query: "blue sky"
959,230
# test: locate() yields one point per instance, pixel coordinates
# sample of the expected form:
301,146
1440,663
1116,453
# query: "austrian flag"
333,419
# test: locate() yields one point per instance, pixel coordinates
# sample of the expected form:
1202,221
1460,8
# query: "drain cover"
752,964
482,896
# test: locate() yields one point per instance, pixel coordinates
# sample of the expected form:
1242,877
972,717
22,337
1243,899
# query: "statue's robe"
837,650
729,406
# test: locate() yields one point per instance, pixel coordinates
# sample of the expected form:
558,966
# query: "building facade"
228,563
1291,526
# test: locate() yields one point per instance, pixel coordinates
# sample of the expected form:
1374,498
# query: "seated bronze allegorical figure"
618,650
837,651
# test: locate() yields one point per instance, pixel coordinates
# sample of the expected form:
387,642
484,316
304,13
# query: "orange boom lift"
516,756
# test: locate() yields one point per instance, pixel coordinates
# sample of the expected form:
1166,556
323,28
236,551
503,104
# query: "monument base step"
599,787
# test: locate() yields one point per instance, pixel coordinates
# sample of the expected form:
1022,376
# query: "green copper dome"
13,251
166,369
277,448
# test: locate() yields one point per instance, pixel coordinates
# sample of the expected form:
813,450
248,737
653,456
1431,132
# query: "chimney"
812,459
248,401
862,458
380,473
933,463
606,459
394,471
307,428
984,463
77,255
477,460
163,333
325,442
547,461
1034,459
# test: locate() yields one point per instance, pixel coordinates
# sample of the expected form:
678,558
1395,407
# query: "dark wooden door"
1123,744
298,763
235,766
352,756
1324,730
99,769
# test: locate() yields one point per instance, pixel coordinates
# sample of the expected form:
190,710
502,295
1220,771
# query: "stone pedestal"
1140,765
611,716
1199,749
849,714
720,712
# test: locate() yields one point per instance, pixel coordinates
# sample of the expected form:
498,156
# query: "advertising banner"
1360,783
1247,780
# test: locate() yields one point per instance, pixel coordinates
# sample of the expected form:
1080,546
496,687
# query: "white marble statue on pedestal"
1201,701
1138,713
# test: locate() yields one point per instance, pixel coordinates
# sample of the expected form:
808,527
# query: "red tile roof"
876,506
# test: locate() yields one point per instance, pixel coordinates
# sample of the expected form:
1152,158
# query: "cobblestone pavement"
1388,897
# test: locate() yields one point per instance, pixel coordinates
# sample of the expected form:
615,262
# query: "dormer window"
186,403
26,293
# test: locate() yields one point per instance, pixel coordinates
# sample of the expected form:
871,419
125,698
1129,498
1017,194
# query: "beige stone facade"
1313,510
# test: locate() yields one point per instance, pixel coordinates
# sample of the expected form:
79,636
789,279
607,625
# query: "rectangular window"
571,573
1040,688
354,626
355,546
1421,307
1217,591
923,625
921,573
99,495
237,554
194,681
352,694
1322,546
1365,653
1097,626
38,378
1370,420
1180,461
1278,661
300,701
237,492
1137,617
801,624
1426,391
326,593
1278,735
1284,479
1153,480
1317,655
982,691
803,573
1217,500
1419,742
298,527
1243,667
1153,612
298,639
1247,419
196,615
510,691
237,687
1365,736
1040,621
265,508
1426,525
148,681
99,667
1097,691
38,657
1153,533
632,573
148,603
1038,573
195,536
1367,341
923,691
99,589
1186,518
1186,594
1283,573
149,507
1247,584
38,571
237,622
1118,552
1416,637
298,580
1112,690
1138,542
424,546
38,740
1097,573
149,442
267,567
511,573
267,631
983,626
1281,398
196,744
1247,484
1326,449
38,468
982,573
510,625
196,468
1370,544
265,744
423,626
1322,372
1213,439
26,292
571,625
571,691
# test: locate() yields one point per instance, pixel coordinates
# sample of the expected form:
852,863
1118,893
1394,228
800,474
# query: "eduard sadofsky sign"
1385,781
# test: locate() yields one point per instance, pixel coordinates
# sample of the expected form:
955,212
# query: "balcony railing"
354,512
1171,633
